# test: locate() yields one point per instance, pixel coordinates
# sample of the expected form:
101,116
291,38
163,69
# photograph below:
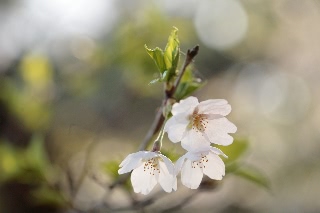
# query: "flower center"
199,122
151,166
200,163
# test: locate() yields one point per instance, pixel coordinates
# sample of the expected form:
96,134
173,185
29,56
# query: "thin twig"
190,56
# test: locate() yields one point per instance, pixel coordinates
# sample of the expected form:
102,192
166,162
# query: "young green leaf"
167,60
157,55
189,84
172,53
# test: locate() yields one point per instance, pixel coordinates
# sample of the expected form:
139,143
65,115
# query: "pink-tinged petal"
142,181
131,162
176,127
166,177
214,106
214,167
191,177
218,152
194,141
185,106
218,129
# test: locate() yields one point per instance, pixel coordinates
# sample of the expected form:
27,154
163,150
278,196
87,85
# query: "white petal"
142,181
218,129
193,156
185,106
131,162
168,163
146,155
179,163
175,185
214,168
176,127
213,116
191,177
194,141
218,152
166,176
214,106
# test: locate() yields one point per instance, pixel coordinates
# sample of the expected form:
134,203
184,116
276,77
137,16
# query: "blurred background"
74,81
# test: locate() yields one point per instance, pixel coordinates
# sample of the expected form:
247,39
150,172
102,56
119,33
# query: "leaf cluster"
167,62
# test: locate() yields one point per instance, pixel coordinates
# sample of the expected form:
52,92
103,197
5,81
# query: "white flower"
195,123
194,164
149,168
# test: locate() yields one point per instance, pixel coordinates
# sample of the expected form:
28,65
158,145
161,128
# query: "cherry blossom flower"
195,123
149,168
194,164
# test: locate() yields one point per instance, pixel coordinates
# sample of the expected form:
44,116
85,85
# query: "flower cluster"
197,126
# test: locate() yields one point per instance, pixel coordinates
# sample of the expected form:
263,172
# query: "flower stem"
157,144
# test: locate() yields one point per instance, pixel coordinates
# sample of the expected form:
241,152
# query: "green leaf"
157,55
189,84
185,89
167,60
254,175
172,49
235,150
172,53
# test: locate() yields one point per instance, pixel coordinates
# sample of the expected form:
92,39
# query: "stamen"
199,122
200,163
152,166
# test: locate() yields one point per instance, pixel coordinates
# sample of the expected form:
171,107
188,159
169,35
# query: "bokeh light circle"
221,24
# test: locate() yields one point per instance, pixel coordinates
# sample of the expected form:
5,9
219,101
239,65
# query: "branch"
159,118
190,56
